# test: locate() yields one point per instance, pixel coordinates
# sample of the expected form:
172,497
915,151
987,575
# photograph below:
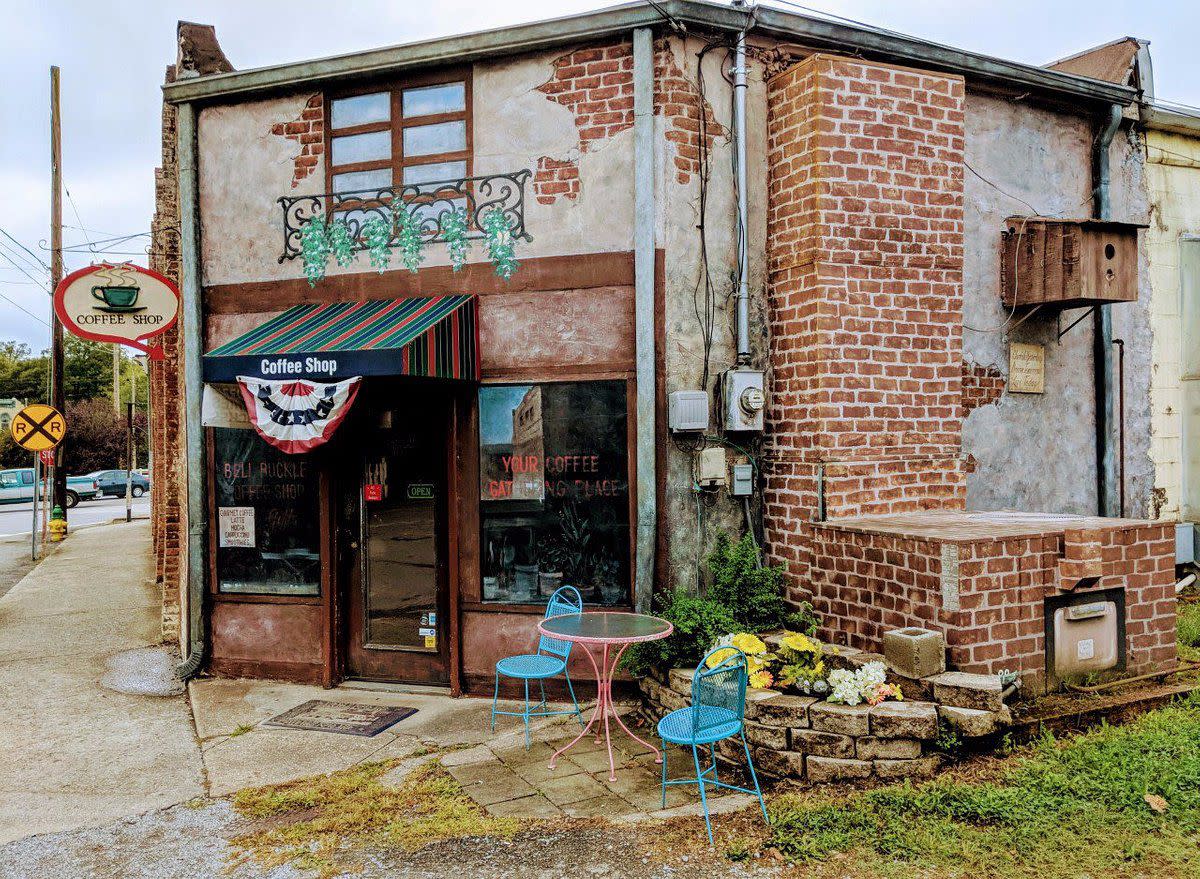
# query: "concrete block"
872,748
834,769
822,744
773,737
965,690
790,711
846,720
918,689
904,720
972,722
922,767
779,764
915,653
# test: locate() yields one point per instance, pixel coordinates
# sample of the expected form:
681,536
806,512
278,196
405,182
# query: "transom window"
412,133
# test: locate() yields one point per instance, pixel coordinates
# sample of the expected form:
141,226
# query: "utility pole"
116,377
57,393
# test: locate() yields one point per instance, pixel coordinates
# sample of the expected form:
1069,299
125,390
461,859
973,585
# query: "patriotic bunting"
297,415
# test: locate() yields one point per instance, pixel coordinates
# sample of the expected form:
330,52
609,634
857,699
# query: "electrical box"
1068,263
742,483
710,467
743,399
687,411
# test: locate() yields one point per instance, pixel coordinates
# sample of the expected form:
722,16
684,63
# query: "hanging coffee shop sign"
120,303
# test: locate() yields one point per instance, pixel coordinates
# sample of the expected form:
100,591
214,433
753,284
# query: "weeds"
1062,810
311,822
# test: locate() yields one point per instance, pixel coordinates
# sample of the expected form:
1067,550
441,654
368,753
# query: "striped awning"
431,336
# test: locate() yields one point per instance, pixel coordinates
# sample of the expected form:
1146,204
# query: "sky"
113,55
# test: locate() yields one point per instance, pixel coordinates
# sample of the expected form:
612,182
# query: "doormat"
347,718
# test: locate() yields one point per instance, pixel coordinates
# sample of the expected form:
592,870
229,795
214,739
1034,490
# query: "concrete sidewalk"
73,753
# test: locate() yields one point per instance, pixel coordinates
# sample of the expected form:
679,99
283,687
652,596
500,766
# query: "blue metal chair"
717,712
549,661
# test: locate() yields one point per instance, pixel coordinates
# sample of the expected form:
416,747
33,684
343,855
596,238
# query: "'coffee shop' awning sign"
118,303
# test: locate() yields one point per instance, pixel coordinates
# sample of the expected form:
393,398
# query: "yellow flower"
719,656
799,643
754,664
749,644
897,693
761,680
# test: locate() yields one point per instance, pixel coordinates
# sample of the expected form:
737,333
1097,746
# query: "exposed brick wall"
308,130
167,495
555,179
981,386
864,583
865,226
596,84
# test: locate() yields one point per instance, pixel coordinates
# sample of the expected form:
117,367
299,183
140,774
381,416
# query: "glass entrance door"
397,622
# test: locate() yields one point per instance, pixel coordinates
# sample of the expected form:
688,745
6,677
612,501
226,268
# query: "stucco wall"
513,125
1037,451
1173,185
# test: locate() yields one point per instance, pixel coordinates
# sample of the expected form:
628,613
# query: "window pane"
356,180
554,491
361,109
448,98
267,517
362,147
439,171
425,140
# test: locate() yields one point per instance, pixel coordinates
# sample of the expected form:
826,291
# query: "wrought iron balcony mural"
432,207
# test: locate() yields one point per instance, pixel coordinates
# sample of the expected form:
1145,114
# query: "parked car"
16,486
113,482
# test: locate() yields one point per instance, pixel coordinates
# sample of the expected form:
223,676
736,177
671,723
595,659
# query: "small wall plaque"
1026,369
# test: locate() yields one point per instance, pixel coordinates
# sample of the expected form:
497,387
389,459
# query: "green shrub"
698,623
753,594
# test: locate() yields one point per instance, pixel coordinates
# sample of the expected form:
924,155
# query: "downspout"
1102,364
192,331
739,144
644,214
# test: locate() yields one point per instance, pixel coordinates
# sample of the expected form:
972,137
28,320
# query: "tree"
87,365
96,437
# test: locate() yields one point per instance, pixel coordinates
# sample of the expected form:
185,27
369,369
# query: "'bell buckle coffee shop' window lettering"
554,491
268,519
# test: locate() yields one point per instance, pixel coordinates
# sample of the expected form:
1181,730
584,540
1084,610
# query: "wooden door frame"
336,609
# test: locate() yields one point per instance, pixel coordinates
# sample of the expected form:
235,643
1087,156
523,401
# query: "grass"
1188,630
1061,810
314,823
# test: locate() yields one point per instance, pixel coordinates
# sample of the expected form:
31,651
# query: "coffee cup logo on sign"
117,303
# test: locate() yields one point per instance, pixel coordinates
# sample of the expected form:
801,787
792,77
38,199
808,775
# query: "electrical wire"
22,270
20,307
36,259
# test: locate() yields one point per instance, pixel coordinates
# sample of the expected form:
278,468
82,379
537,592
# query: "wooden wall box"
1068,263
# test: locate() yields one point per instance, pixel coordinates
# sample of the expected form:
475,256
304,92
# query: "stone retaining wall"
800,737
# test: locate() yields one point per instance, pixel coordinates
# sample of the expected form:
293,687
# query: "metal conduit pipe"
644,213
1102,365
192,330
739,145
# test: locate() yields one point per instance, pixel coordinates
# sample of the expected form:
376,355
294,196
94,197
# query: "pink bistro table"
605,630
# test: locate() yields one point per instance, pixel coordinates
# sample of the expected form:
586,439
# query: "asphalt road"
15,520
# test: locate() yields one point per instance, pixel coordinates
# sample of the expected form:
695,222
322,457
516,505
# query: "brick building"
882,173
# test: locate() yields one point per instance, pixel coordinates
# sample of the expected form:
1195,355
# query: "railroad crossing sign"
38,427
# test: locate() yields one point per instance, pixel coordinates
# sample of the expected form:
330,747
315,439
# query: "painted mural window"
409,132
554,491
267,517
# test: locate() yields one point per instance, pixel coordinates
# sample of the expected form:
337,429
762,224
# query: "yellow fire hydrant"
58,525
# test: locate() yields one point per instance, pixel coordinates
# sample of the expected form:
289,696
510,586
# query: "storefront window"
268,521
554,491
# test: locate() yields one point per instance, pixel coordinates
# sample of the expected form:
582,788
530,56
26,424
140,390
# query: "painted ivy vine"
454,232
320,240
502,249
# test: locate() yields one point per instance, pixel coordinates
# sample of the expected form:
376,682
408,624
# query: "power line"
37,259
20,307
20,268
